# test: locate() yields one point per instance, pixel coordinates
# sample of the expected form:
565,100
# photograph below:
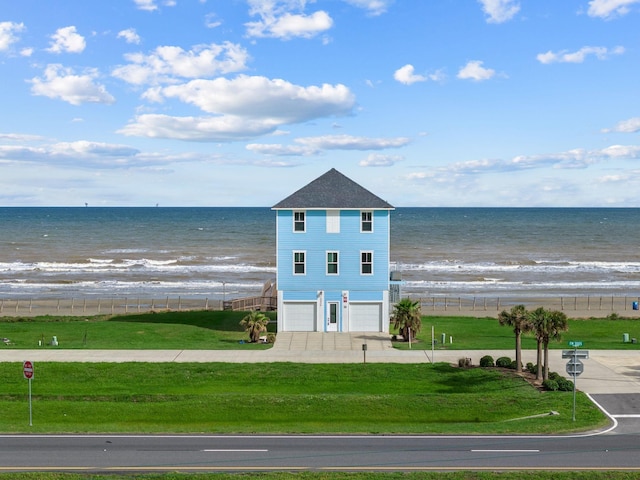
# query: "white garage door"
365,317
299,317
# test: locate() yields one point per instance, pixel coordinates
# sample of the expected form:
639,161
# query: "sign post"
27,371
574,366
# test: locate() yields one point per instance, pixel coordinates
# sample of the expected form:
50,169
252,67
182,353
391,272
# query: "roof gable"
333,190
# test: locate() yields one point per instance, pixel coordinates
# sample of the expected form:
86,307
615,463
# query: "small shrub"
514,365
565,385
551,385
487,361
531,368
613,316
464,362
555,376
271,337
504,362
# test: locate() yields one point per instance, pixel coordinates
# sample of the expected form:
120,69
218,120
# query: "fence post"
474,304
71,305
30,303
206,304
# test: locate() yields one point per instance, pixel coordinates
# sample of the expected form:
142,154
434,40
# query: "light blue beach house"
333,258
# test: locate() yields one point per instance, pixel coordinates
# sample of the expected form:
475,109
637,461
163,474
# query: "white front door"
332,316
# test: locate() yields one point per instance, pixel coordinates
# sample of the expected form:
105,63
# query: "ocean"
227,253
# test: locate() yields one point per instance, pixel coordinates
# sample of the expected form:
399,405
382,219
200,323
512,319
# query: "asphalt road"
129,453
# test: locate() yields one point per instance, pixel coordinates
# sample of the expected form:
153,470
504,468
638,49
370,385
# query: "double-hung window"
299,222
332,263
366,221
299,263
366,263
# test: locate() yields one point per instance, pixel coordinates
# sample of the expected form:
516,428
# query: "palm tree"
517,319
254,324
406,318
539,320
556,324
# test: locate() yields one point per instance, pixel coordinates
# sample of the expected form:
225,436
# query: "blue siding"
349,243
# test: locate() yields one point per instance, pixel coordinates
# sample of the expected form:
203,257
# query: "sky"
435,103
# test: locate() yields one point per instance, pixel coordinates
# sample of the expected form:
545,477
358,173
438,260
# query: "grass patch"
192,330
470,333
282,398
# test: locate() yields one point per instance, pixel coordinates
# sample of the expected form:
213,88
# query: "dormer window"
366,221
299,222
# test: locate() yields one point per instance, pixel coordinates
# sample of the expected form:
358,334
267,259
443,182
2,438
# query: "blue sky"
242,102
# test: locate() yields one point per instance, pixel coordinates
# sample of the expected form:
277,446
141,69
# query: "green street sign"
575,343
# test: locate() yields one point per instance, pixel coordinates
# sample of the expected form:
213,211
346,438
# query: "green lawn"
217,330
471,333
282,398
169,330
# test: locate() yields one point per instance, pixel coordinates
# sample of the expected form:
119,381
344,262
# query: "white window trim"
304,221
304,262
363,263
362,221
337,262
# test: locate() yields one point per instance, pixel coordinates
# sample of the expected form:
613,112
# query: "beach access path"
605,371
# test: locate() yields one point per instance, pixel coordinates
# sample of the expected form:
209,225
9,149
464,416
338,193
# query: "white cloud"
261,97
474,70
166,63
315,145
198,129
211,21
631,125
373,7
280,150
8,31
26,52
610,8
66,39
348,142
499,11
129,35
563,56
62,83
377,160
82,153
285,19
148,5
407,76
246,107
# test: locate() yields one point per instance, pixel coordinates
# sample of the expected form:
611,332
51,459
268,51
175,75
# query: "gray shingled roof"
333,190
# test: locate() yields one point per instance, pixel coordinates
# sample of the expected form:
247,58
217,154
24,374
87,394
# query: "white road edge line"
235,450
506,451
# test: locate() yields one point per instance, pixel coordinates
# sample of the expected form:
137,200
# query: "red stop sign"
27,369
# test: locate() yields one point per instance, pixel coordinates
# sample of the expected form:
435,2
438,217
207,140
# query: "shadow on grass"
463,380
225,321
